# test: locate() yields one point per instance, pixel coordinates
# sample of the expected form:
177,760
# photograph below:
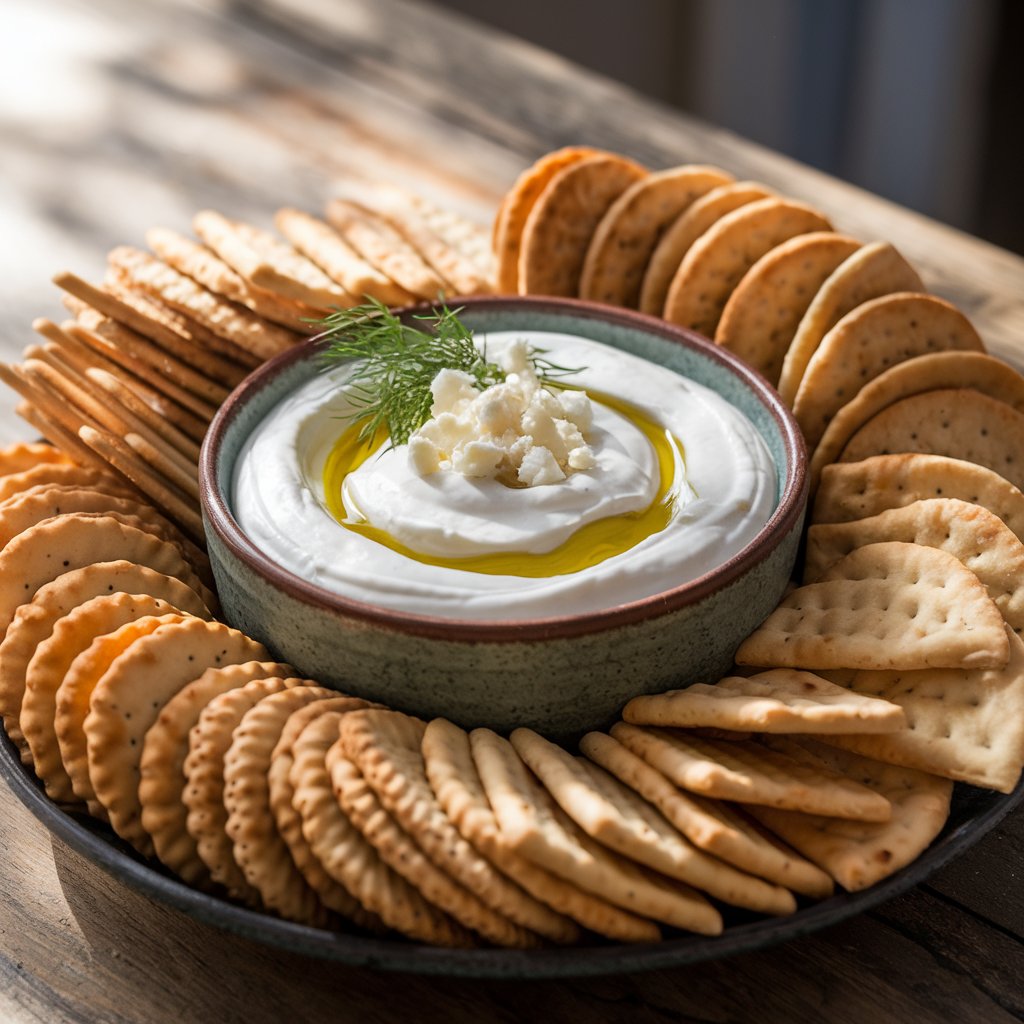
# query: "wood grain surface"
129,115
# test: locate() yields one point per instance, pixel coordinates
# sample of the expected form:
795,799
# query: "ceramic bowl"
562,675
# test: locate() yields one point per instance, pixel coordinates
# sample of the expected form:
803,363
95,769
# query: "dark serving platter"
974,812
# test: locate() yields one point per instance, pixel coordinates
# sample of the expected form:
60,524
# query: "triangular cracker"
884,606
779,700
858,853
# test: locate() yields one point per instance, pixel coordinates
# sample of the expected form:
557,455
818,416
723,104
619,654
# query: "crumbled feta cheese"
514,430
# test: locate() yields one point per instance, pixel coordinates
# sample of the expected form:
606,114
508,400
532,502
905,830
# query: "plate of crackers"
872,727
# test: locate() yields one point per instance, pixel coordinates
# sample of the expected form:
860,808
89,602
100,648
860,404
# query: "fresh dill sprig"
397,362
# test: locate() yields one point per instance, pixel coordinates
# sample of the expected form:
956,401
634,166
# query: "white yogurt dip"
723,493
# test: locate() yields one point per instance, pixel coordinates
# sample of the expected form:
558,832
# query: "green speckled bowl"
557,675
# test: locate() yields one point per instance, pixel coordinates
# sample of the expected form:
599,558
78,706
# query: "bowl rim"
787,516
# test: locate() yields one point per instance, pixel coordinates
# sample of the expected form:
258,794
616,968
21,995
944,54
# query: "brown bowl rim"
787,515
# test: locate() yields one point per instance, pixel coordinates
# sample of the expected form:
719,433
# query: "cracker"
515,210
350,860
128,698
203,795
456,783
765,308
621,248
67,439
52,547
617,817
316,724
966,726
267,262
957,422
162,765
75,693
50,663
750,773
259,849
869,340
710,825
25,455
779,700
873,270
34,621
858,854
329,251
884,606
397,849
972,534
856,490
564,218
538,830
205,267
680,235
382,246
717,261
386,748
61,475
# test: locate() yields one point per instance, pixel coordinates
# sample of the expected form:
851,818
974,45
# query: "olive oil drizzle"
591,544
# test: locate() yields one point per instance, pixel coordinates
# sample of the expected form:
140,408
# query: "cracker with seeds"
626,236
349,859
886,606
765,309
315,724
383,247
34,621
259,849
329,251
966,726
779,700
162,765
535,827
750,773
52,660
857,853
857,490
203,795
386,748
456,783
717,261
869,340
617,817
563,221
396,847
711,825
972,534
872,271
680,235
957,422
517,205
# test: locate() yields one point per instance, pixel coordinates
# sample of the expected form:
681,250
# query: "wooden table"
118,116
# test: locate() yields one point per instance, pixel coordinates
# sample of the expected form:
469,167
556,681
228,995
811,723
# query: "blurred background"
921,101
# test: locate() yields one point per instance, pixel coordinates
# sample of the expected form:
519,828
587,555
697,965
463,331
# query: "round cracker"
931,372
684,231
61,473
716,262
71,635
203,794
563,221
26,455
618,254
872,271
516,206
957,422
868,341
56,545
34,622
765,309
128,698
162,766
